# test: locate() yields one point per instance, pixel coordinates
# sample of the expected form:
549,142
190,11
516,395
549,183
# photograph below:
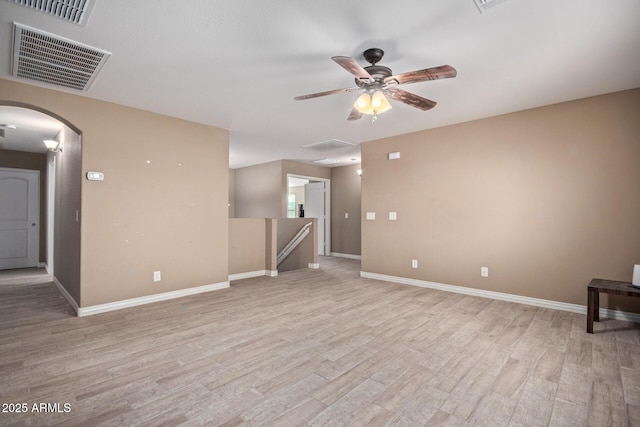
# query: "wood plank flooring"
312,347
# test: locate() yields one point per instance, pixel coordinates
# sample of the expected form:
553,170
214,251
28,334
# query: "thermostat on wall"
95,176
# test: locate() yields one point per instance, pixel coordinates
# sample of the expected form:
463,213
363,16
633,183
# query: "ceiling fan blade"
352,66
435,73
412,99
355,114
329,92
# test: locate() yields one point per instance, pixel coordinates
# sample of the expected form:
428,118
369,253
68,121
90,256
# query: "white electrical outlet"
414,263
156,276
346,215
484,271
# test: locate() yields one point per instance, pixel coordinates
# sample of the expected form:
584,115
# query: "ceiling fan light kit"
373,104
378,83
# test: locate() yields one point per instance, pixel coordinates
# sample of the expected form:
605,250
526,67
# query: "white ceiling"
238,64
31,129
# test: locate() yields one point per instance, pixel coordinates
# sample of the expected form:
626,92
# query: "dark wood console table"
607,286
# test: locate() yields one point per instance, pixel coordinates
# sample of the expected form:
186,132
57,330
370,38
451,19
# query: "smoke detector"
76,11
55,60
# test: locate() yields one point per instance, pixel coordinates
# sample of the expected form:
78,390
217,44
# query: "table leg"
596,306
590,306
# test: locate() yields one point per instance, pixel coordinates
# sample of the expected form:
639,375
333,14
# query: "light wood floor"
313,347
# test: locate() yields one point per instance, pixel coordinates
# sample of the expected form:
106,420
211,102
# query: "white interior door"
314,207
19,216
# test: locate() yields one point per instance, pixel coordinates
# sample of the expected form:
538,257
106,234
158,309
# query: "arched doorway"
22,148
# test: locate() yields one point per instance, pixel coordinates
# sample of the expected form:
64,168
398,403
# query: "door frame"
327,207
51,208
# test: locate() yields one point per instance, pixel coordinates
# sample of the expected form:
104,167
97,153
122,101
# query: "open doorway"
23,148
310,197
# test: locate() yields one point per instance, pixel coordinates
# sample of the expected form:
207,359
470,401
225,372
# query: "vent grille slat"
43,48
54,60
54,75
76,11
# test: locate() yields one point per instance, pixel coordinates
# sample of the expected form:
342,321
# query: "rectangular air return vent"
54,60
76,11
329,145
487,4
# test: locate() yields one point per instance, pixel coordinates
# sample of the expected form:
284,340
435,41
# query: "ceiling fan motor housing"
373,55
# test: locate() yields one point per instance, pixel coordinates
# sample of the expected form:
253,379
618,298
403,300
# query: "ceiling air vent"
326,161
76,11
329,145
54,60
487,4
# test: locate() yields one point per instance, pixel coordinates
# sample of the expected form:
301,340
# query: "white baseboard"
556,305
66,295
247,275
118,305
250,274
314,265
350,256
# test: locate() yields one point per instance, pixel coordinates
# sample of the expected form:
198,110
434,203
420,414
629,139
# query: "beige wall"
261,190
66,229
271,244
170,214
247,245
345,198
258,191
546,198
33,161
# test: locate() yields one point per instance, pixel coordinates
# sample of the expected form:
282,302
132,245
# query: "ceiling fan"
377,81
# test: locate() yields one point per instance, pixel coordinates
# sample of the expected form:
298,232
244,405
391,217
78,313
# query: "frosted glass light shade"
372,104
51,144
363,104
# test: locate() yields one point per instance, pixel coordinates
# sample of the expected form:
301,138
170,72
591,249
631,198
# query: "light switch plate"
393,216
95,176
371,216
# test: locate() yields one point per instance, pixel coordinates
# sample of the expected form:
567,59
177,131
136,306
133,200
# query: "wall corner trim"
118,305
538,302
66,295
